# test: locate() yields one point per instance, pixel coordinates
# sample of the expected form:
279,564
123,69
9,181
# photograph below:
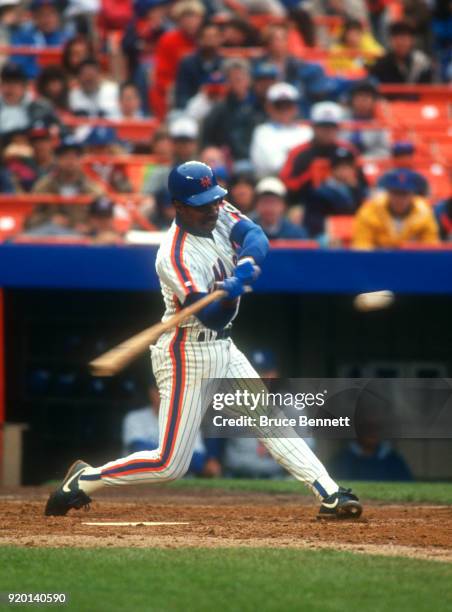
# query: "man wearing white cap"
272,140
309,163
270,211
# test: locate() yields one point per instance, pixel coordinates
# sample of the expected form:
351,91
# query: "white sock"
324,484
89,486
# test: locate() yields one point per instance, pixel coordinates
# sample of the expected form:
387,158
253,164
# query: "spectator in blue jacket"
340,194
45,30
270,210
196,67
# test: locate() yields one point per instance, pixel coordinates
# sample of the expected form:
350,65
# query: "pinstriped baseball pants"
180,363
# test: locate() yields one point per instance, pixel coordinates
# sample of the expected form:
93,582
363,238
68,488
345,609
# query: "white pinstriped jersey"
181,361
187,263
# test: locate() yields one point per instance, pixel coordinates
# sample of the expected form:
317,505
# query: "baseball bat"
116,359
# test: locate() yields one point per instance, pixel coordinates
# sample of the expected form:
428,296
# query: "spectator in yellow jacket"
395,216
355,49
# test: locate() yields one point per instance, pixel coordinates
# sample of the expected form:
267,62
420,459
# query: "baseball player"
210,242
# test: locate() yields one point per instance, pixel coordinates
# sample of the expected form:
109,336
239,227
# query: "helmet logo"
206,181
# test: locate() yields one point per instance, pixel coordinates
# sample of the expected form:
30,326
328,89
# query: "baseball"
374,300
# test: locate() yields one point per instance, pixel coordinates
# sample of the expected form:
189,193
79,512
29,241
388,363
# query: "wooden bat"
116,359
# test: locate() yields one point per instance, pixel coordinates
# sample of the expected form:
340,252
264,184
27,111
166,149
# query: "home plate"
133,524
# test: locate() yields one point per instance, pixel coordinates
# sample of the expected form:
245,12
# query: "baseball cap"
364,87
215,83
4,3
142,7
400,179
402,148
282,92
215,78
398,28
13,72
102,207
271,185
184,127
37,4
69,143
263,360
39,129
265,70
342,156
326,113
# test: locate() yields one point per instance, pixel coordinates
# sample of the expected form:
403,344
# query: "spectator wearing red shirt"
170,50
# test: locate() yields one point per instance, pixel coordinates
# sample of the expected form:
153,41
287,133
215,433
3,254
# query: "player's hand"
247,271
233,287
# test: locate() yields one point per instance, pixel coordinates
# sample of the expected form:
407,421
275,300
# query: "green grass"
238,579
416,492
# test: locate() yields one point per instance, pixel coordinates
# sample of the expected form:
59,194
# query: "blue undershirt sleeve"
252,240
216,315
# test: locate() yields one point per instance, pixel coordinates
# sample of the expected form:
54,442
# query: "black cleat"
341,505
68,495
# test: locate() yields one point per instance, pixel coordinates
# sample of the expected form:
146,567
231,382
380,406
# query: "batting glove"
247,271
233,287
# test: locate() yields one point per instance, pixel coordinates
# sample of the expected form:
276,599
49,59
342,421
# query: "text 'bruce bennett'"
265,421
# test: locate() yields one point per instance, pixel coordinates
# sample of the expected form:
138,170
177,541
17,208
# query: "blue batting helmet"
194,184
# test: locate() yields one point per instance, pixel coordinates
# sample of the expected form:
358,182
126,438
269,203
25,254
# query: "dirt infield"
219,519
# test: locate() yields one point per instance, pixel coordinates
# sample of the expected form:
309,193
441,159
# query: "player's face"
200,218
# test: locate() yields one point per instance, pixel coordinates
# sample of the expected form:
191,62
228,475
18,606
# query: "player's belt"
209,335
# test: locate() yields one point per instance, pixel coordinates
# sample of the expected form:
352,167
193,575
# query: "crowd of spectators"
285,132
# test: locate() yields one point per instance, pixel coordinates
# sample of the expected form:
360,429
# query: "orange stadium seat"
420,114
136,130
13,212
439,178
444,151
